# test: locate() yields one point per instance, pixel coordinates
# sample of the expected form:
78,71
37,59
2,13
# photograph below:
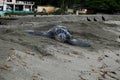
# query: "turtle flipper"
35,32
76,42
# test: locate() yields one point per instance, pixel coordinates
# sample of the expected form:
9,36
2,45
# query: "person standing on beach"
35,12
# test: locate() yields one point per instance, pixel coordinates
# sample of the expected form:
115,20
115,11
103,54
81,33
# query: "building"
46,9
81,9
16,5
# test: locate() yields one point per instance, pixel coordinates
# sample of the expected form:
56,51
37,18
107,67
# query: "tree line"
112,5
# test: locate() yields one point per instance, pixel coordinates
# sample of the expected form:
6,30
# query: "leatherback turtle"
59,33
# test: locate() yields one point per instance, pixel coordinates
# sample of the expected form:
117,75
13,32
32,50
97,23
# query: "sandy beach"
28,57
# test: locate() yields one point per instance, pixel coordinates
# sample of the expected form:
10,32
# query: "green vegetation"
113,5
103,4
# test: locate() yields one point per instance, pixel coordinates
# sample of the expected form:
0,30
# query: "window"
9,0
1,8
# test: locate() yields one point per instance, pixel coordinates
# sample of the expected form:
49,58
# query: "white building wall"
2,3
14,2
